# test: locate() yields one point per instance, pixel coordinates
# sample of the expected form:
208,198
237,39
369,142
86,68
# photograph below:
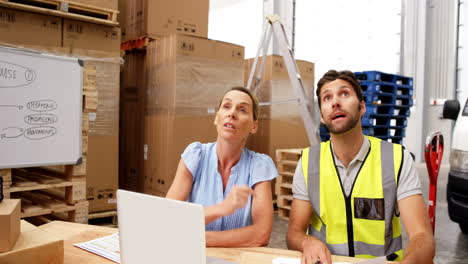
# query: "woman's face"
234,119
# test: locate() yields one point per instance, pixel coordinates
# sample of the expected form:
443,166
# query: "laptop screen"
159,230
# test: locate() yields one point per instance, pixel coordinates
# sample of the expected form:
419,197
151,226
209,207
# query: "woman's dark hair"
332,75
253,97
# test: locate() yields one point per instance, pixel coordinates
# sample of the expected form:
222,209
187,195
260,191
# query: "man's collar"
361,154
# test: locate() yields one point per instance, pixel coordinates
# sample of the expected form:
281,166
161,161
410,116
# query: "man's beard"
350,124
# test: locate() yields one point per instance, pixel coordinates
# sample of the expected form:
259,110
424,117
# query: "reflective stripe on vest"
375,230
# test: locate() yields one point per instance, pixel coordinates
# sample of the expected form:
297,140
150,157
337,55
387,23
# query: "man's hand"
237,198
314,250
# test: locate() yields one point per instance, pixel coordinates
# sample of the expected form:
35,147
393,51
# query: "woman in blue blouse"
230,181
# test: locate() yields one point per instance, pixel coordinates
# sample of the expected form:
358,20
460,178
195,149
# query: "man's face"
340,109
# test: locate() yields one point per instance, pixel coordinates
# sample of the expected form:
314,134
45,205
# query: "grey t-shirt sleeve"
299,187
409,183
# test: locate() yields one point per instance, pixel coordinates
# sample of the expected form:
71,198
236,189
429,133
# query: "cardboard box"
280,125
157,18
35,246
30,29
89,36
132,107
10,212
102,170
187,77
107,4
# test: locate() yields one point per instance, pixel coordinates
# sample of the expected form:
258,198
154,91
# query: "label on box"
7,16
112,201
92,116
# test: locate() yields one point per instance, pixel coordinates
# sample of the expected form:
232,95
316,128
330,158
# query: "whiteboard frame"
77,157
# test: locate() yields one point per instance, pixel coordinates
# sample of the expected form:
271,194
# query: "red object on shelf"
433,156
138,43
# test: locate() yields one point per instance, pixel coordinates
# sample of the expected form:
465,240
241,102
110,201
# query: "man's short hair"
333,75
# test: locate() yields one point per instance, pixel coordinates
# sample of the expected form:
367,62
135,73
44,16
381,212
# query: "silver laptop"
158,230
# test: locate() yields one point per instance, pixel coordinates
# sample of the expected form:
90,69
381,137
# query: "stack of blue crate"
388,99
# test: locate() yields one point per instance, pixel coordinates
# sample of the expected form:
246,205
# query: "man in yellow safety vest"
349,192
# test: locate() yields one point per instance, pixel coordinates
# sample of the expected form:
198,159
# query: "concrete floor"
451,243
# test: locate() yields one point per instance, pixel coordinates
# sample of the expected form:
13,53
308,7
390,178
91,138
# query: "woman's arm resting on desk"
257,234
311,247
421,244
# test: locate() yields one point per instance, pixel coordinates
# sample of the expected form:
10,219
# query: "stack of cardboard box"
170,92
99,46
185,77
280,124
155,18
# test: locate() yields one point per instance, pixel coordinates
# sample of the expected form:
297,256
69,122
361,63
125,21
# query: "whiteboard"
40,109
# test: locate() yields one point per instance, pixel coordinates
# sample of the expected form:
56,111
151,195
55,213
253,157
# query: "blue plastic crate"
383,120
404,90
373,76
379,87
324,138
372,109
384,132
403,80
403,100
402,110
376,76
376,98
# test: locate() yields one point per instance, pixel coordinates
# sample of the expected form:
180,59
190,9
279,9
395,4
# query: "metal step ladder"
275,27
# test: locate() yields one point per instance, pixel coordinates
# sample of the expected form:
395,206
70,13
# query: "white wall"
430,53
358,35
463,54
237,21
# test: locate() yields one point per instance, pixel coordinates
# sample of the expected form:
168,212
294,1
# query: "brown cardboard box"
122,16
10,210
280,125
103,142
187,76
89,36
132,106
35,246
108,4
25,29
159,17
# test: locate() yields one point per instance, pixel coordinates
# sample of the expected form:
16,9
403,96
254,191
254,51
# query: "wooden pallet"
6,176
288,154
70,192
108,218
67,9
286,162
283,213
77,213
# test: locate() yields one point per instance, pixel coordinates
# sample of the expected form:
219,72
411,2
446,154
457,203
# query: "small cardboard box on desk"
9,223
33,245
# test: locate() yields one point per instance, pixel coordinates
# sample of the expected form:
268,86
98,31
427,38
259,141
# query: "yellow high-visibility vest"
366,223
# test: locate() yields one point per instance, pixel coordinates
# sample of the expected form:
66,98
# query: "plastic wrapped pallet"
187,76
